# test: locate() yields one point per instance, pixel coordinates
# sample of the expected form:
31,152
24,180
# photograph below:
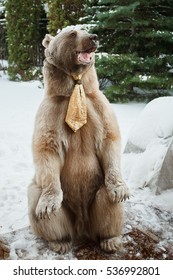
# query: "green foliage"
63,13
133,78
128,26
22,32
138,34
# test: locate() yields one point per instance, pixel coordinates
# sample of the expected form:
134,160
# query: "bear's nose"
94,37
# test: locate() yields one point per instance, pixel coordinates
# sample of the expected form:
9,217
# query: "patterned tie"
76,115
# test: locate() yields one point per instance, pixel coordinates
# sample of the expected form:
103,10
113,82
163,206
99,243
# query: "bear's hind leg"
57,230
106,221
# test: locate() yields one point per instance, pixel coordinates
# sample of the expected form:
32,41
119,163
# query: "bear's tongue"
85,57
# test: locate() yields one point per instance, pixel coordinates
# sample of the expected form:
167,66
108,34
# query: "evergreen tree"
23,33
140,34
3,47
63,13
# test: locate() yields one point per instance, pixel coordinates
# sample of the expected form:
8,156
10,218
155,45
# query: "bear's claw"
119,192
47,205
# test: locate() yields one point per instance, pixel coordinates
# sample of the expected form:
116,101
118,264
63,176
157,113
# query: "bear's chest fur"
82,173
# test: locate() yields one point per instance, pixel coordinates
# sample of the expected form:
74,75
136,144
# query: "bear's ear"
47,40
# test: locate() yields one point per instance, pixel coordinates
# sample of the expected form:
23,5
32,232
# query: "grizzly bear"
77,190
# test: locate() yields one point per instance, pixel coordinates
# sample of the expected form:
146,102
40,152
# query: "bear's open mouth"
86,56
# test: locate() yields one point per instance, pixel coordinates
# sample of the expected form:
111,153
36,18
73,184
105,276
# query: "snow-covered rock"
149,149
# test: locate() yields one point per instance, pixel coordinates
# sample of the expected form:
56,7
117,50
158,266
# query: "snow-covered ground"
18,105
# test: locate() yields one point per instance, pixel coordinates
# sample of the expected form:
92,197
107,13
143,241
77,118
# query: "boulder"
148,154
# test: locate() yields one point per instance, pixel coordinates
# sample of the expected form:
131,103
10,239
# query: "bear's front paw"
48,204
118,192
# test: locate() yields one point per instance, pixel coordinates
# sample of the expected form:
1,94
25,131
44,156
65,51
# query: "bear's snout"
94,40
94,37
89,44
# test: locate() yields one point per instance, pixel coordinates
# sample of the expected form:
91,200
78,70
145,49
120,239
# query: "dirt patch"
137,245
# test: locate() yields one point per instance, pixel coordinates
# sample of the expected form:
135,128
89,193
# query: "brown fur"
77,189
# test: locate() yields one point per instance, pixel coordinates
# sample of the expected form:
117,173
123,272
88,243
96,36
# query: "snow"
144,77
18,105
2,9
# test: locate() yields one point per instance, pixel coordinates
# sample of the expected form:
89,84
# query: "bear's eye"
73,34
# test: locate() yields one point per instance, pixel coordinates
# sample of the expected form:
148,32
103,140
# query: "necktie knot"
78,82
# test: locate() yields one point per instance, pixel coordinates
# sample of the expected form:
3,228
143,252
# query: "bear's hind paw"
60,246
111,245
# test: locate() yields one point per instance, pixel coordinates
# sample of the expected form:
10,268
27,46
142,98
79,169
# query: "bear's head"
72,51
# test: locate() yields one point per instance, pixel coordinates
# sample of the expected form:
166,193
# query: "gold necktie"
76,115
